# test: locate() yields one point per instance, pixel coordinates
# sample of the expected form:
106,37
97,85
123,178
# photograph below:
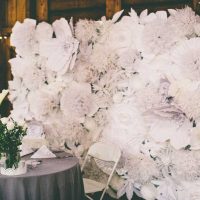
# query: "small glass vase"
2,159
12,160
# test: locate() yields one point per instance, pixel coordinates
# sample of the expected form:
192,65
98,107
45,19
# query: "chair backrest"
106,152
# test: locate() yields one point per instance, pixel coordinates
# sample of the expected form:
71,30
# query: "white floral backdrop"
134,82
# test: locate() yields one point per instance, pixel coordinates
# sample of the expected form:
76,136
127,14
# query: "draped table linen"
53,179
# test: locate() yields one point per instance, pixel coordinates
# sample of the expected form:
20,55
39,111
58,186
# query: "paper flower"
190,190
186,165
129,60
146,18
186,95
158,40
42,103
167,189
89,74
182,22
126,33
22,37
186,58
87,31
77,101
148,191
44,31
18,66
125,128
141,168
147,96
66,48
179,135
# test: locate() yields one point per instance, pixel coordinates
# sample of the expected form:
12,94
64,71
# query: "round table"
53,179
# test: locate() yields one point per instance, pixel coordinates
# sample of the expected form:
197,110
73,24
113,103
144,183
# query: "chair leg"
89,197
102,195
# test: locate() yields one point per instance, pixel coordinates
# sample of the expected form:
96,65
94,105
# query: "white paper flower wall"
133,82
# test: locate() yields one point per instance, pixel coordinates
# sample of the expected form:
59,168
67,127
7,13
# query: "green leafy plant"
11,135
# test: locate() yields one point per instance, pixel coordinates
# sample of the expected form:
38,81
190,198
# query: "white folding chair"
106,157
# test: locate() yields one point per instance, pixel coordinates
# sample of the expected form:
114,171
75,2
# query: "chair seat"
92,186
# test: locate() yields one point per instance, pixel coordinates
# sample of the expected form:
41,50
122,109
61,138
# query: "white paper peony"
77,101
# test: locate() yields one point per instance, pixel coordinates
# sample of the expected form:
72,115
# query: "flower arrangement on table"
11,134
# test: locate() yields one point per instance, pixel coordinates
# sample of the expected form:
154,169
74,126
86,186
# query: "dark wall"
154,5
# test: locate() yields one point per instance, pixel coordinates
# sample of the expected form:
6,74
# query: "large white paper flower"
147,96
186,165
18,97
124,35
88,73
87,31
129,60
16,88
66,48
158,40
197,29
58,133
186,95
167,189
190,190
125,127
77,101
177,133
18,66
30,70
195,137
20,112
182,22
22,37
44,31
146,18
148,191
42,103
101,117
186,57
102,58
141,168
164,158
34,77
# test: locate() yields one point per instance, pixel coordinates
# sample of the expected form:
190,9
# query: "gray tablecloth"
53,179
